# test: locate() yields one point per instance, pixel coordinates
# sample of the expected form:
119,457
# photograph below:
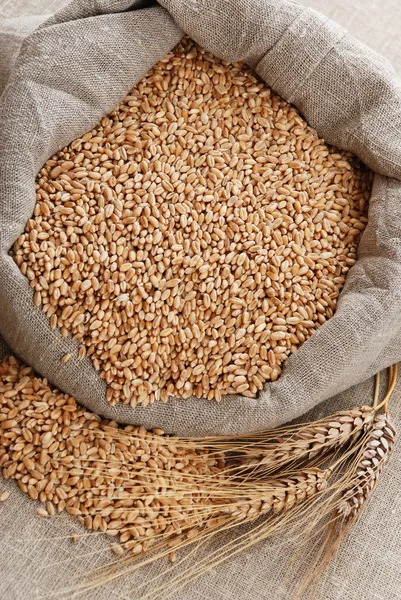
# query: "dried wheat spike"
317,437
373,456
281,494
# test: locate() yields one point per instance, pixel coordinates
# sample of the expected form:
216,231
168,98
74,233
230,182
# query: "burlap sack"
37,557
81,62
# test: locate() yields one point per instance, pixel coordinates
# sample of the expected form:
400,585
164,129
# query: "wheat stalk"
373,456
280,494
370,460
315,439
279,501
355,487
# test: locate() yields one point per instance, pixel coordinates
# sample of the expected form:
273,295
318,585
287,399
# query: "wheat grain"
196,236
117,549
120,481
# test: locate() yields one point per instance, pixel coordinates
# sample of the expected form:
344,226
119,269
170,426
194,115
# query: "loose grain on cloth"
80,63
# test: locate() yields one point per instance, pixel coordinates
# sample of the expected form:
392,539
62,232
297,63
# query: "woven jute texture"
37,556
81,62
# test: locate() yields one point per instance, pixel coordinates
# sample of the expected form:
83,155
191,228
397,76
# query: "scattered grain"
95,470
117,549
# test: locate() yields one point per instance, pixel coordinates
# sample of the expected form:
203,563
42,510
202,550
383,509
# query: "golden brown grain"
121,481
172,556
196,237
117,549
158,493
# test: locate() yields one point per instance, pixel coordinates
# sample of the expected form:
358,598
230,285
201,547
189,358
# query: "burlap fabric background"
78,64
36,556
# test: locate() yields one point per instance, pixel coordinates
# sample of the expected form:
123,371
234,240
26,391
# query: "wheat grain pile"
196,237
125,482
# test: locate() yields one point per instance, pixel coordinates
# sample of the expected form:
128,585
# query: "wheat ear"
314,440
356,485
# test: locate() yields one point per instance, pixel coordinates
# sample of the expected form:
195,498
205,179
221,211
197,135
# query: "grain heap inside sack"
196,237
